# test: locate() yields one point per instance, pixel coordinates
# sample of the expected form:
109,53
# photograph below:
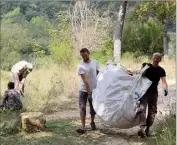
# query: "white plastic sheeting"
116,96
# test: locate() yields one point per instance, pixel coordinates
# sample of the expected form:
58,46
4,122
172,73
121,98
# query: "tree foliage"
13,40
163,11
60,43
44,28
142,38
158,9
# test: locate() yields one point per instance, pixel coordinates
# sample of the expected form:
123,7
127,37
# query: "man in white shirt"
19,73
88,70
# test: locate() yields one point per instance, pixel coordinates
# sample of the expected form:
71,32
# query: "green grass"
62,132
9,122
165,133
57,133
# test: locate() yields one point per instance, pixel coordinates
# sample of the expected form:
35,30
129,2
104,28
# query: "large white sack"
116,96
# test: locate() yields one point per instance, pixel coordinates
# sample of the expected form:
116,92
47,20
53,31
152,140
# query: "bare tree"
88,28
118,32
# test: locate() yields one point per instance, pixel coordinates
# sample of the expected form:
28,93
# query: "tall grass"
50,84
47,87
165,133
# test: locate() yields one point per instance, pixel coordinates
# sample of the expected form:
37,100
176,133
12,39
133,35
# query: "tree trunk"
118,32
32,121
165,39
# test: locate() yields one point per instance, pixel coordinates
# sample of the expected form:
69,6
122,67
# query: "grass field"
53,88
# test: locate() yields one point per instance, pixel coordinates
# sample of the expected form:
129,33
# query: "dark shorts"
83,97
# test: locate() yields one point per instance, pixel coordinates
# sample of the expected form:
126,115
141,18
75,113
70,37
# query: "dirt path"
117,136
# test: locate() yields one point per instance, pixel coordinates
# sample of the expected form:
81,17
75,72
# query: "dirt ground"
115,136
60,122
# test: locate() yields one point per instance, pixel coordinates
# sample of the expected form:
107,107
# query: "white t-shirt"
90,69
18,66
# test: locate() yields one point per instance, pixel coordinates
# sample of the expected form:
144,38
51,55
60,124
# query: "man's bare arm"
131,72
85,80
164,82
164,86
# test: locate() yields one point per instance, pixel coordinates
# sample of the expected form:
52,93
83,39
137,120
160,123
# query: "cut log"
32,122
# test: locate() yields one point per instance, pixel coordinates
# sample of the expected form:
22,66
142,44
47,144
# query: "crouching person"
11,98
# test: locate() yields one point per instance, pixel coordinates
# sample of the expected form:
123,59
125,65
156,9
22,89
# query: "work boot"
81,130
147,132
141,132
93,126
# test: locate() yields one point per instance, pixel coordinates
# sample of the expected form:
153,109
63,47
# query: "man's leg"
82,106
142,114
92,113
152,111
23,88
22,91
22,82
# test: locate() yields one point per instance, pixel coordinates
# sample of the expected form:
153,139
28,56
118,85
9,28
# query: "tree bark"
165,39
118,32
32,121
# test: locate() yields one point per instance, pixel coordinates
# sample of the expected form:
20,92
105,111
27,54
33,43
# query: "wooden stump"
32,121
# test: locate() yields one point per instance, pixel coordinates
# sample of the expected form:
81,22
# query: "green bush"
139,40
60,44
100,56
106,51
142,38
13,16
13,39
108,47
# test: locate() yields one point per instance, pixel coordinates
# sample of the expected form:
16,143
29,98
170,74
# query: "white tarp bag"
115,99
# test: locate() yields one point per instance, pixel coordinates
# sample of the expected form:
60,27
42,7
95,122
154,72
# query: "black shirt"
154,74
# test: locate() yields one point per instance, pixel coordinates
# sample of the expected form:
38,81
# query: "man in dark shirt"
11,98
153,73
